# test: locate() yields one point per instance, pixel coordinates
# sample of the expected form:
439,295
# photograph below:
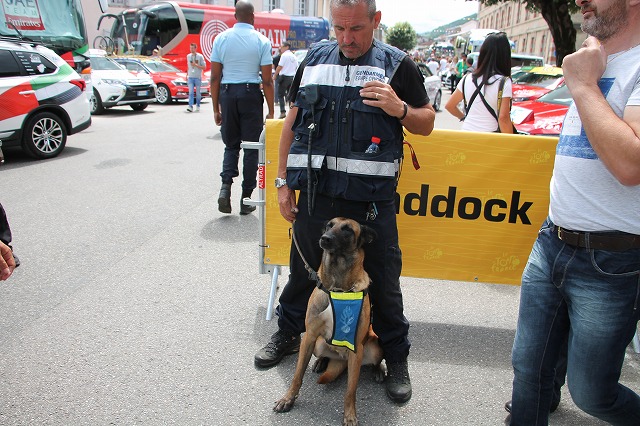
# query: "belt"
609,241
242,84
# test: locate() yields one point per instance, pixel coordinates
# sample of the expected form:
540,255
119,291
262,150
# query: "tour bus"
57,24
172,26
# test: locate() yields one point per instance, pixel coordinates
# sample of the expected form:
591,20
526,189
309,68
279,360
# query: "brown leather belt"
609,241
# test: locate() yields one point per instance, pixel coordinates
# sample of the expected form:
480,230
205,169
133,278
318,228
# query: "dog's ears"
367,235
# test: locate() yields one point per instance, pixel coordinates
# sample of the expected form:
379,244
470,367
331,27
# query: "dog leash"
313,275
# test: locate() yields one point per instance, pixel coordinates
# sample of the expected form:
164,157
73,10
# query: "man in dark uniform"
346,93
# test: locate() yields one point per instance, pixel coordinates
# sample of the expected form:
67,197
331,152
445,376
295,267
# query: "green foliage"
403,36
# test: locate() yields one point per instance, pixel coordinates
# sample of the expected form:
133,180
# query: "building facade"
527,29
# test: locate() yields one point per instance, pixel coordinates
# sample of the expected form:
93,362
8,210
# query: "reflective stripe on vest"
351,166
298,161
362,167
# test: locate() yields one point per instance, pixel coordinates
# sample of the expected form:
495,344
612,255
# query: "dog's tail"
334,369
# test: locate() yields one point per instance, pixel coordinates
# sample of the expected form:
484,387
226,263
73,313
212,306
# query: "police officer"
345,93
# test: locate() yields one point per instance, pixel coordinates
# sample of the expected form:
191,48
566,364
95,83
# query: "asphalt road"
137,302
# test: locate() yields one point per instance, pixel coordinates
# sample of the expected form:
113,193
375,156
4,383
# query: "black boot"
224,199
245,209
282,343
398,382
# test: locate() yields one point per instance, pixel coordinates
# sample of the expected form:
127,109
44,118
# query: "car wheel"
139,107
96,103
437,101
163,95
44,136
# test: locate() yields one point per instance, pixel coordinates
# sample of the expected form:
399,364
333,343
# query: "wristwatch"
280,182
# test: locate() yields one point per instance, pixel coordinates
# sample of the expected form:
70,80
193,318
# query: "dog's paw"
320,366
284,404
379,373
350,420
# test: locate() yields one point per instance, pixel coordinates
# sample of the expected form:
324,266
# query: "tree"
403,36
557,15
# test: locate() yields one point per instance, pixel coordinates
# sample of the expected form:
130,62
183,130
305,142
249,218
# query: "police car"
41,99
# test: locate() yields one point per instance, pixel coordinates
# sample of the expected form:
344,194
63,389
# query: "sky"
424,15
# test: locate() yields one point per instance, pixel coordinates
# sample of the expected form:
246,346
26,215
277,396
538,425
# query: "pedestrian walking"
240,61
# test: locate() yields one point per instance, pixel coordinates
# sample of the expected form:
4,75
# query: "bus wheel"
139,107
163,95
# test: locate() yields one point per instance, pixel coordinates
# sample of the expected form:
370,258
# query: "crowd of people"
579,294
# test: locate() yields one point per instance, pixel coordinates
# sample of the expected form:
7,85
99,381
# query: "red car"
543,116
171,82
530,83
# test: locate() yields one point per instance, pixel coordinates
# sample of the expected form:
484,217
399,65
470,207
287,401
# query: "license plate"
143,92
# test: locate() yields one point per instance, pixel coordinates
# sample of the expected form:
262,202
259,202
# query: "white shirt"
479,119
289,64
585,196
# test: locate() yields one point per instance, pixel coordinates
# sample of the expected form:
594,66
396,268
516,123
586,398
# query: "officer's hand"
287,203
382,95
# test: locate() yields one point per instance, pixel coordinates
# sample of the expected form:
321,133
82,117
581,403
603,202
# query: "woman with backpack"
486,92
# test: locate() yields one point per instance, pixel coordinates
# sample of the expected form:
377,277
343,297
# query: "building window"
269,5
524,45
532,45
301,8
542,44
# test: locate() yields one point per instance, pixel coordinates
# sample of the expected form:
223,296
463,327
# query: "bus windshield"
58,24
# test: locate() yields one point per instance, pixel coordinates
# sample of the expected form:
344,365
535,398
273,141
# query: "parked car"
530,83
113,85
171,83
41,99
433,84
543,116
517,60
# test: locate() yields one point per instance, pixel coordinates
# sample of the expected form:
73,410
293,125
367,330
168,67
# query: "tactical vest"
340,126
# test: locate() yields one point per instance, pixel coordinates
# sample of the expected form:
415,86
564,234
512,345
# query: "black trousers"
242,120
383,263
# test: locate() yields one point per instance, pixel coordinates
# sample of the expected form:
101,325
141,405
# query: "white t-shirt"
433,67
479,119
585,196
289,63
443,65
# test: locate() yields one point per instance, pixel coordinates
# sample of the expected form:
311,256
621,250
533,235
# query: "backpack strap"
467,107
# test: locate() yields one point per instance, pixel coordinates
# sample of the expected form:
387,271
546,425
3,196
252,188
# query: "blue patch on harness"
346,313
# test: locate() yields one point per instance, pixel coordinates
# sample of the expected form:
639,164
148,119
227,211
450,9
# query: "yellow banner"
470,213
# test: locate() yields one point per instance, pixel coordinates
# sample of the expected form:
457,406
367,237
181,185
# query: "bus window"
194,20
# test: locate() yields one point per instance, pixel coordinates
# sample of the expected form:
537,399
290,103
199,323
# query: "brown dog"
341,270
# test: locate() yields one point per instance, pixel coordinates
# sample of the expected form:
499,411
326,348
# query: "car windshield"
158,66
103,64
560,96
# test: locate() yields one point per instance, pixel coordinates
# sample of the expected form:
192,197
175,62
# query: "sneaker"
197,109
189,109
398,383
283,115
282,343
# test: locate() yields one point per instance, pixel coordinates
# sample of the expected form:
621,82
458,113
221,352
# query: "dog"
341,270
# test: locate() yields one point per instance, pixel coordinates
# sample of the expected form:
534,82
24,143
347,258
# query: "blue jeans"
194,82
591,296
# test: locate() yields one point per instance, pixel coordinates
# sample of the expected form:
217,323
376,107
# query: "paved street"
137,302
